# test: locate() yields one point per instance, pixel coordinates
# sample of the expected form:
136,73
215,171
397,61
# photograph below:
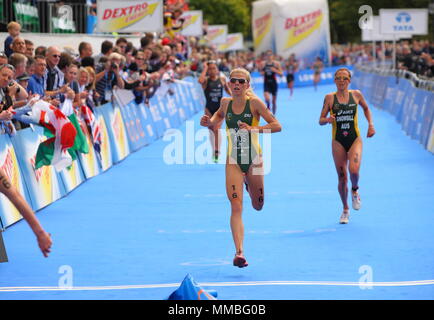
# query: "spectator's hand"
6,115
70,94
84,94
63,89
54,102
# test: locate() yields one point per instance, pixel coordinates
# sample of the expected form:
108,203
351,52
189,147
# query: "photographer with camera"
110,77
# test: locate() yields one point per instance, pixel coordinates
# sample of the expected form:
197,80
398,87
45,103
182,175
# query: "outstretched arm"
43,238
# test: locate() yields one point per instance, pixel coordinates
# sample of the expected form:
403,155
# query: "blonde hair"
91,72
249,92
13,24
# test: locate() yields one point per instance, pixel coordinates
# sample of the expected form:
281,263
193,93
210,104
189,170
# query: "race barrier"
125,127
412,106
302,78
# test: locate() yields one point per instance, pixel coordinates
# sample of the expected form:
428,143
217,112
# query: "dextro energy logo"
122,17
215,33
189,20
299,28
262,28
403,19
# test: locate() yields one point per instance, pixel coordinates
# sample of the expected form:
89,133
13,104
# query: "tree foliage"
234,13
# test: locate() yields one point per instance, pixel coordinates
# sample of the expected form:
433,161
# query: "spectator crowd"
88,77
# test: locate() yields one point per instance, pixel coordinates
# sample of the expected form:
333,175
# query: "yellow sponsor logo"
119,130
189,20
105,154
301,27
122,17
215,33
262,27
44,180
231,40
10,168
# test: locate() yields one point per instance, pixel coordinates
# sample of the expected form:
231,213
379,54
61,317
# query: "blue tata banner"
10,167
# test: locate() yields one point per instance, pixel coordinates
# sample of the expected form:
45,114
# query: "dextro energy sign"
262,24
302,28
217,34
130,16
299,28
192,25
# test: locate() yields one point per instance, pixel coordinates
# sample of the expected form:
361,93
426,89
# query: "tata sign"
404,21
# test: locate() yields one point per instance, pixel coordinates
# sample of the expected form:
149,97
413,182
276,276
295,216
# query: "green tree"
234,13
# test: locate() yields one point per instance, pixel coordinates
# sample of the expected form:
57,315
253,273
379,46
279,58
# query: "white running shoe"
345,217
357,203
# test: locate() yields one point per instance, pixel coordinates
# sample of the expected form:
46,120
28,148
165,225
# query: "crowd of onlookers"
88,76
416,56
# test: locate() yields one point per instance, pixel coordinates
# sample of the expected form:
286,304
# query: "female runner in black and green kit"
242,113
346,140
213,84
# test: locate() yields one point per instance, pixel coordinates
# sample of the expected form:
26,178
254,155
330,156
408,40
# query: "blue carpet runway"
135,231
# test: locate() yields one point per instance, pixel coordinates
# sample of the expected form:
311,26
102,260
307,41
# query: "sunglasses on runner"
240,81
342,78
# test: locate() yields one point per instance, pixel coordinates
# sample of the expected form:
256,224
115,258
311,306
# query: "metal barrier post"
3,255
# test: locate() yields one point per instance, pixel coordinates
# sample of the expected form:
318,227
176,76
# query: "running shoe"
240,261
345,217
357,203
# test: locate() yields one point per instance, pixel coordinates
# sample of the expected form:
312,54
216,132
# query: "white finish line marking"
227,284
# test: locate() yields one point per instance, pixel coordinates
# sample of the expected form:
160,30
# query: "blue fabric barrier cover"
190,290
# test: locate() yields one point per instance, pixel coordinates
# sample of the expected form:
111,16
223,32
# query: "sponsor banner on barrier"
106,149
43,184
148,124
192,25
89,161
72,176
135,129
10,167
116,130
187,98
430,144
130,16
302,27
427,117
413,108
262,26
157,118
